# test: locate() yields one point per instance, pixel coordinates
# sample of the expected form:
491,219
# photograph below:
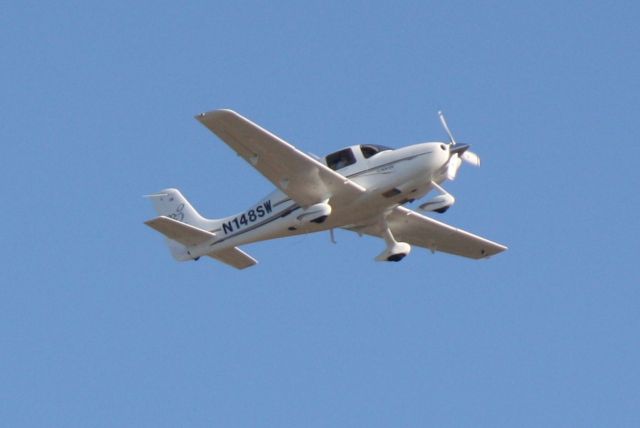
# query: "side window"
369,150
340,159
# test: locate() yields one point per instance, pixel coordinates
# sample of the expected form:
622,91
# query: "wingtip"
201,116
491,252
154,195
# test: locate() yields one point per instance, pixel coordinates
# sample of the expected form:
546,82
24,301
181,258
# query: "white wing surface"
301,177
416,229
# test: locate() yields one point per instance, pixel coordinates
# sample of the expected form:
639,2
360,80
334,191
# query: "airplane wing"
416,229
303,178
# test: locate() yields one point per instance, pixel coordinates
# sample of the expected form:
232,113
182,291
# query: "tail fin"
171,203
182,227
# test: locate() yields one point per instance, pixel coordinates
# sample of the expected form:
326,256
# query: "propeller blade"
453,166
470,158
446,128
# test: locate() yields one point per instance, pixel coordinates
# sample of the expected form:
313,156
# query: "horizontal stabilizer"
234,257
183,233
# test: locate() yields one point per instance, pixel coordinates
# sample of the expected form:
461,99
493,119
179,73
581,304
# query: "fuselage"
391,177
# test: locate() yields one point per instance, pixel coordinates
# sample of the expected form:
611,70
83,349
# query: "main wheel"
320,219
396,257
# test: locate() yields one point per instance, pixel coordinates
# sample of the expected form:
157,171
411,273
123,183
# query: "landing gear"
396,257
316,213
395,250
440,203
320,219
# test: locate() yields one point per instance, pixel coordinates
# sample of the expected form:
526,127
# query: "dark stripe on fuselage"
281,202
276,216
356,174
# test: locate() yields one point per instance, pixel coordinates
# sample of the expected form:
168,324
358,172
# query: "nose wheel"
440,203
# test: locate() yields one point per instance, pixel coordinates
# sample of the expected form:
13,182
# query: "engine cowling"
316,213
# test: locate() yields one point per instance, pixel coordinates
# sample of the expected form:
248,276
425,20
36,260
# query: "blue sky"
100,327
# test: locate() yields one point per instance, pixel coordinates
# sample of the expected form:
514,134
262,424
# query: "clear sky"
100,327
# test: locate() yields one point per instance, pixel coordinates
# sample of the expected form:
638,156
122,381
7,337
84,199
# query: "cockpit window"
369,150
340,159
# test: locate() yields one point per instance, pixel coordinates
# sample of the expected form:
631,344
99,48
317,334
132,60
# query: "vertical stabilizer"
171,203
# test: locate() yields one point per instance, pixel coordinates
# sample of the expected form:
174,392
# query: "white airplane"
361,188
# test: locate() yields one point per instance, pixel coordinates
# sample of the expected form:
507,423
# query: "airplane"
362,188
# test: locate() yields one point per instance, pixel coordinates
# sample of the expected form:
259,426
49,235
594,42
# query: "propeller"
452,141
471,158
453,166
459,153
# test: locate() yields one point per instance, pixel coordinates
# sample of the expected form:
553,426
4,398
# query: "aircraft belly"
345,212
285,223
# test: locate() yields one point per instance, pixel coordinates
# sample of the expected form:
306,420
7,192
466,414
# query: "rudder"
171,203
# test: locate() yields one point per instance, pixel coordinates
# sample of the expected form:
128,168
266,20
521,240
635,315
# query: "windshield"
340,159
